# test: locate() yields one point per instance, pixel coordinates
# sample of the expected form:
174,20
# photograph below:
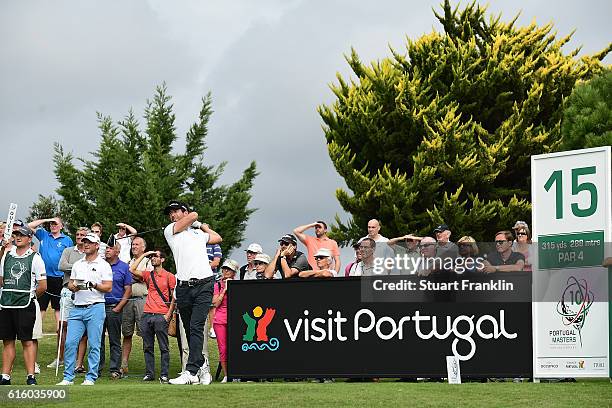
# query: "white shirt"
38,267
95,271
187,247
126,247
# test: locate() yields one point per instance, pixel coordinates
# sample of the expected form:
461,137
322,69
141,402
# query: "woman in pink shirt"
228,270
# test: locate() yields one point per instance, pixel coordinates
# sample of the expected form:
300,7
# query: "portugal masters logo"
574,305
17,271
259,327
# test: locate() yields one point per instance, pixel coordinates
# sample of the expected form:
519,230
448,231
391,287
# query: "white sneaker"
36,368
88,382
204,374
212,333
184,379
65,382
224,380
53,364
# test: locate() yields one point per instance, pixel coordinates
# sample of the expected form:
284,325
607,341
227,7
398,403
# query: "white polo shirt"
189,250
95,271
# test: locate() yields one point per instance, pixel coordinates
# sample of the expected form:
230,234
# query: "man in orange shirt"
157,314
313,244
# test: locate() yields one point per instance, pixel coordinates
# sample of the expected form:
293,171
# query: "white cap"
91,237
230,264
262,258
324,252
255,248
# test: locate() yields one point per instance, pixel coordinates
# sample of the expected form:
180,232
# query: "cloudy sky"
268,64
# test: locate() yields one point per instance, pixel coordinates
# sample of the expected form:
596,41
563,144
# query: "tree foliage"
587,117
134,173
444,132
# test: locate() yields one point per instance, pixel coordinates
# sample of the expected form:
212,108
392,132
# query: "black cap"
441,228
24,230
175,205
289,238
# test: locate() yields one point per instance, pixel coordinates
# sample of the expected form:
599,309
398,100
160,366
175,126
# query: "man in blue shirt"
51,247
115,300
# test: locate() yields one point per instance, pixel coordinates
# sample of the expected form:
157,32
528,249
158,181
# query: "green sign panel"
575,250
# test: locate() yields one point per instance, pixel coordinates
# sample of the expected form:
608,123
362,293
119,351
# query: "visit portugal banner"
572,230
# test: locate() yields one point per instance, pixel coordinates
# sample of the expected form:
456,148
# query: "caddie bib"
17,289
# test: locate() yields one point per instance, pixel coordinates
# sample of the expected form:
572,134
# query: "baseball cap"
175,205
255,248
441,228
19,223
24,230
290,238
323,252
93,238
265,258
230,264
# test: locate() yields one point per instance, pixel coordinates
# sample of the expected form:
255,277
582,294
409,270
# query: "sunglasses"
465,245
318,258
501,242
283,243
251,253
426,245
521,233
257,263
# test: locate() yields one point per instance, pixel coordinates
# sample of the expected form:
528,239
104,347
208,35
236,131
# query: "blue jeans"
81,318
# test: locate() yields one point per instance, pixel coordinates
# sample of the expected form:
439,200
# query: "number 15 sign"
572,227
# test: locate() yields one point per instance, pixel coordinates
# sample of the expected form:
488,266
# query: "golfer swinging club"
187,238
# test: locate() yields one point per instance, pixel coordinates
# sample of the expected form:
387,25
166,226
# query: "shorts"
67,304
18,323
37,330
54,287
132,313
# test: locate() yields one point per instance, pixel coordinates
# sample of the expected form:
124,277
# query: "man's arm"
64,263
213,237
337,263
324,273
41,288
105,287
129,228
134,266
271,268
299,231
185,222
124,299
518,266
37,223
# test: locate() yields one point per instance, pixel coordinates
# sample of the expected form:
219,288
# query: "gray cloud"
267,63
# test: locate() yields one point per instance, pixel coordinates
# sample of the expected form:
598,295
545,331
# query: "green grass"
131,392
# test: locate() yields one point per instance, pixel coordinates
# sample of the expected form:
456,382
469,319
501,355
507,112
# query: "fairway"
131,392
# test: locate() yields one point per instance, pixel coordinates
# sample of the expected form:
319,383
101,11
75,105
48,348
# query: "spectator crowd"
119,288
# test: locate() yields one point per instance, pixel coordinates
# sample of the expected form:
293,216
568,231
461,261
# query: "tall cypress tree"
135,173
445,131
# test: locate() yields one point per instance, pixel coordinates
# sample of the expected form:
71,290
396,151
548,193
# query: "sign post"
572,226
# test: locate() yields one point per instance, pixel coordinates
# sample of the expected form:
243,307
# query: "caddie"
23,279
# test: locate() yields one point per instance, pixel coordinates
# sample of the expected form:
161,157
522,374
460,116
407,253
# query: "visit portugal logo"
256,333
